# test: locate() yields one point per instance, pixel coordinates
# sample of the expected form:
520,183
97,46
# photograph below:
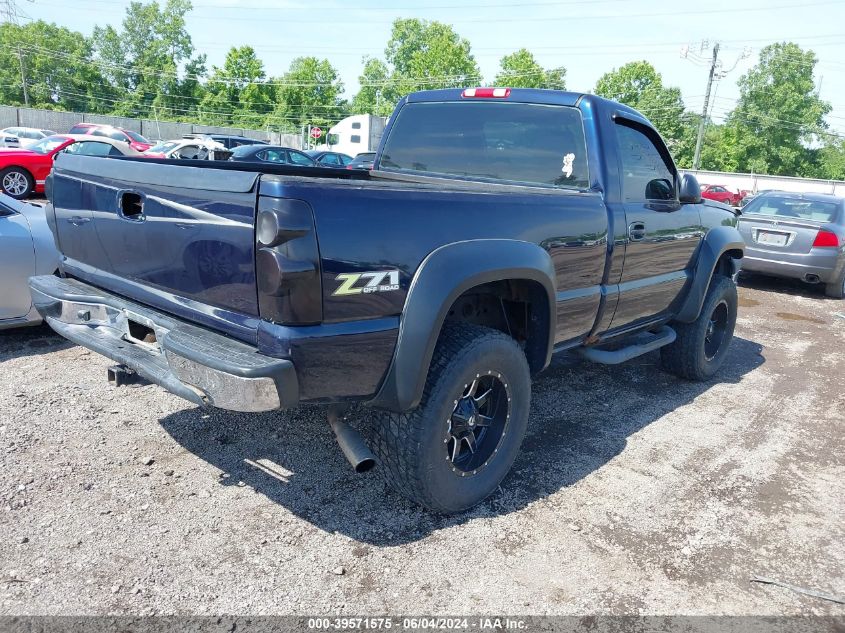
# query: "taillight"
826,239
287,262
486,93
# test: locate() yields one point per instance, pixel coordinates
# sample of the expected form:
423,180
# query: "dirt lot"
635,493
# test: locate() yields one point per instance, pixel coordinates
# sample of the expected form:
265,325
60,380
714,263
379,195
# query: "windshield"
136,137
799,208
516,143
47,145
161,148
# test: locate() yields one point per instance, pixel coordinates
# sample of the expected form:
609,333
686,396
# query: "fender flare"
444,275
718,241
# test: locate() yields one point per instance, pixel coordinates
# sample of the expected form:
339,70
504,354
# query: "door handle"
78,220
636,231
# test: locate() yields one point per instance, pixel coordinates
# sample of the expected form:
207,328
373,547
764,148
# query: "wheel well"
725,265
517,307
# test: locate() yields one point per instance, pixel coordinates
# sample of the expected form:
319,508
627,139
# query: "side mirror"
690,192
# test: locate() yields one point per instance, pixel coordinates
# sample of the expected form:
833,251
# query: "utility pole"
696,161
10,15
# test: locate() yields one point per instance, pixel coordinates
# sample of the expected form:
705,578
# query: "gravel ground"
635,493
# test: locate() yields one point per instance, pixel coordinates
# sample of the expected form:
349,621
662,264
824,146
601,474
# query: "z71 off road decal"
380,281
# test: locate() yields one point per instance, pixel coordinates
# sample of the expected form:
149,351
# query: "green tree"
420,55
522,70
309,93
59,68
427,55
238,93
779,115
830,160
378,94
639,85
143,58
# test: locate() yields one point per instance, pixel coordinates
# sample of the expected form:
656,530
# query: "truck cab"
498,226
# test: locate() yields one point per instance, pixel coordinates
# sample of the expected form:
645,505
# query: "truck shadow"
575,429
30,341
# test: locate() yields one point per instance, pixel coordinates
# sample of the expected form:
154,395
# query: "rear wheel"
700,348
836,289
456,447
16,182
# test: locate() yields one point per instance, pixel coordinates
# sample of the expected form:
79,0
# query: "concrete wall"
61,122
756,182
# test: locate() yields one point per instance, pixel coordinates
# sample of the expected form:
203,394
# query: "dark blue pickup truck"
499,226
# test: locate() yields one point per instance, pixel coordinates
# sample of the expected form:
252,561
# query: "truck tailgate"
178,237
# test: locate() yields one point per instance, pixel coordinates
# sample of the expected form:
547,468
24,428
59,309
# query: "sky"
587,37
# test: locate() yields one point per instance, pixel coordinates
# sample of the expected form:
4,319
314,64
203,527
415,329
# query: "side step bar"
641,344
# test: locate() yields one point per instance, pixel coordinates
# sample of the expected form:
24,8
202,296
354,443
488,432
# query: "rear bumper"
197,364
823,264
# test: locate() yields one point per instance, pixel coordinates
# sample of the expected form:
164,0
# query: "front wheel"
701,346
456,447
16,182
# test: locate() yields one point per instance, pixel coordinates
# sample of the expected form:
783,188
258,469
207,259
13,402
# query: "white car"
22,136
189,149
28,249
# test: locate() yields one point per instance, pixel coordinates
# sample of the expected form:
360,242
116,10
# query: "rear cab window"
511,143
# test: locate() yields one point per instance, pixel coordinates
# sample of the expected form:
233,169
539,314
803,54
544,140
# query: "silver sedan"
796,235
26,249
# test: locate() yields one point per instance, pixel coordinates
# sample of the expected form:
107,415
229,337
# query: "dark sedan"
364,160
272,154
330,159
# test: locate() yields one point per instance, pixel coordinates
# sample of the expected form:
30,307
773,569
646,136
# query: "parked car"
22,136
135,140
272,154
230,141
23,171
326,158
430,288
796,235
27,249
195,148
364,160
720,193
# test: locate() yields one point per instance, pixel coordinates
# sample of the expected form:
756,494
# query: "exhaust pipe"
351,443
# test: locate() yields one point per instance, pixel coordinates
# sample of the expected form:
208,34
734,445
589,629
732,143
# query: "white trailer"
355,134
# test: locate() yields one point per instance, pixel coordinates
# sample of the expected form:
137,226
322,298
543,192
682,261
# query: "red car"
135,140
720,193
23,171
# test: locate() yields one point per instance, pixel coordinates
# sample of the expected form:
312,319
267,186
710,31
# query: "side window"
355,139
646,174
274,156
189,152
299,159
113,151
356,125
344,160
329,159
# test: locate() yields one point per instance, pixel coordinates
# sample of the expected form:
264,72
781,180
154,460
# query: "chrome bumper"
197,364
